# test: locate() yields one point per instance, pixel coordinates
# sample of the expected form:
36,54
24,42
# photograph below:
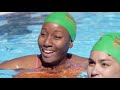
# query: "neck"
59,62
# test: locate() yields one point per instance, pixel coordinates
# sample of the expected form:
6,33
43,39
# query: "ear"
70,44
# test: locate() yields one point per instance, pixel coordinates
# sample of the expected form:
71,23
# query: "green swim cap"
64,19
110,44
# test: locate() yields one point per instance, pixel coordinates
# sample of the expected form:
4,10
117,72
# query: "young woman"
104,61
57,36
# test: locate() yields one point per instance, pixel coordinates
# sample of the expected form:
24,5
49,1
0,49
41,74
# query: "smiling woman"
57,36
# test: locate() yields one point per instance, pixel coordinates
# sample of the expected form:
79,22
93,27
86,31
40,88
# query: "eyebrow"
101,60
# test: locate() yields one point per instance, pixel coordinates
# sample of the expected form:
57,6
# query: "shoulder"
22,59
21,62
30,59
82,61
78,58
25,58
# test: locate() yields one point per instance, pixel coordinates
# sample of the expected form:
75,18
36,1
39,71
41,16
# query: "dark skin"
54,42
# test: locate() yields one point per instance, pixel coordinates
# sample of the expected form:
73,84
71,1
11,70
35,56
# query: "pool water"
19,33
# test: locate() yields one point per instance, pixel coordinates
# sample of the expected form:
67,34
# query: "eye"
105,65
57,37
91,63
43,34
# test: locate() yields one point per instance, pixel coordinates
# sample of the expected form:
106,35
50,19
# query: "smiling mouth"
48,53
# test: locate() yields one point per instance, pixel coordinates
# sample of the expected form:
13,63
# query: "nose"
48,42
95,72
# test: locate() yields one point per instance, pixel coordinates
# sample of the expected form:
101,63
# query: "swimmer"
104,61
57,36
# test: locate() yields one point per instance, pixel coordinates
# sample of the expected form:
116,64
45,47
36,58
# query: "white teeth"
48,51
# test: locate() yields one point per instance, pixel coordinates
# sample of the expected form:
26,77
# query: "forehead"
98,55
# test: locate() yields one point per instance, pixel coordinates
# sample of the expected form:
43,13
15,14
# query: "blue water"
19,33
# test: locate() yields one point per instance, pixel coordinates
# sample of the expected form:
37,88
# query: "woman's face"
54,42
102,65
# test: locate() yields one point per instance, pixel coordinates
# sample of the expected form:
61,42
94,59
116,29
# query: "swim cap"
64,19
110,44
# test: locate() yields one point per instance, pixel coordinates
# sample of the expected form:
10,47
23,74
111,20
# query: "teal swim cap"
110,44
64,19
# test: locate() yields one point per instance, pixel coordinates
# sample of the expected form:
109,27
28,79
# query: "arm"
12,64
26,62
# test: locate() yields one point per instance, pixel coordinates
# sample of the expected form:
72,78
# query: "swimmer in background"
104,61
57,36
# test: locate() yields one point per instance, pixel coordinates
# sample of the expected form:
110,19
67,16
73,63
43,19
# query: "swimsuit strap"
37,62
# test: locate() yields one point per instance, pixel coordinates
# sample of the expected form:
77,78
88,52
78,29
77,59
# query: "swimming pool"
19,33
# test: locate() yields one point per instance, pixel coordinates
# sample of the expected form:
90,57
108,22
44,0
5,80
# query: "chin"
48,60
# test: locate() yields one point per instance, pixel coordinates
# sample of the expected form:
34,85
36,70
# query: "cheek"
110,72
107,71
114,71
40,41
62,45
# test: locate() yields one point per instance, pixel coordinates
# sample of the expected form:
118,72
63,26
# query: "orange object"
60,72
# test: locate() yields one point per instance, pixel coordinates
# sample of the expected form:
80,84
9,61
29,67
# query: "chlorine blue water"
19,33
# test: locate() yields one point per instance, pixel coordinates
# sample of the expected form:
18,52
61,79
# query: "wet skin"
102,65
54,42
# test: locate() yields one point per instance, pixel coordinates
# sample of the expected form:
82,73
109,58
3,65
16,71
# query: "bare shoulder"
24,58
79,58
21,62
82,61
